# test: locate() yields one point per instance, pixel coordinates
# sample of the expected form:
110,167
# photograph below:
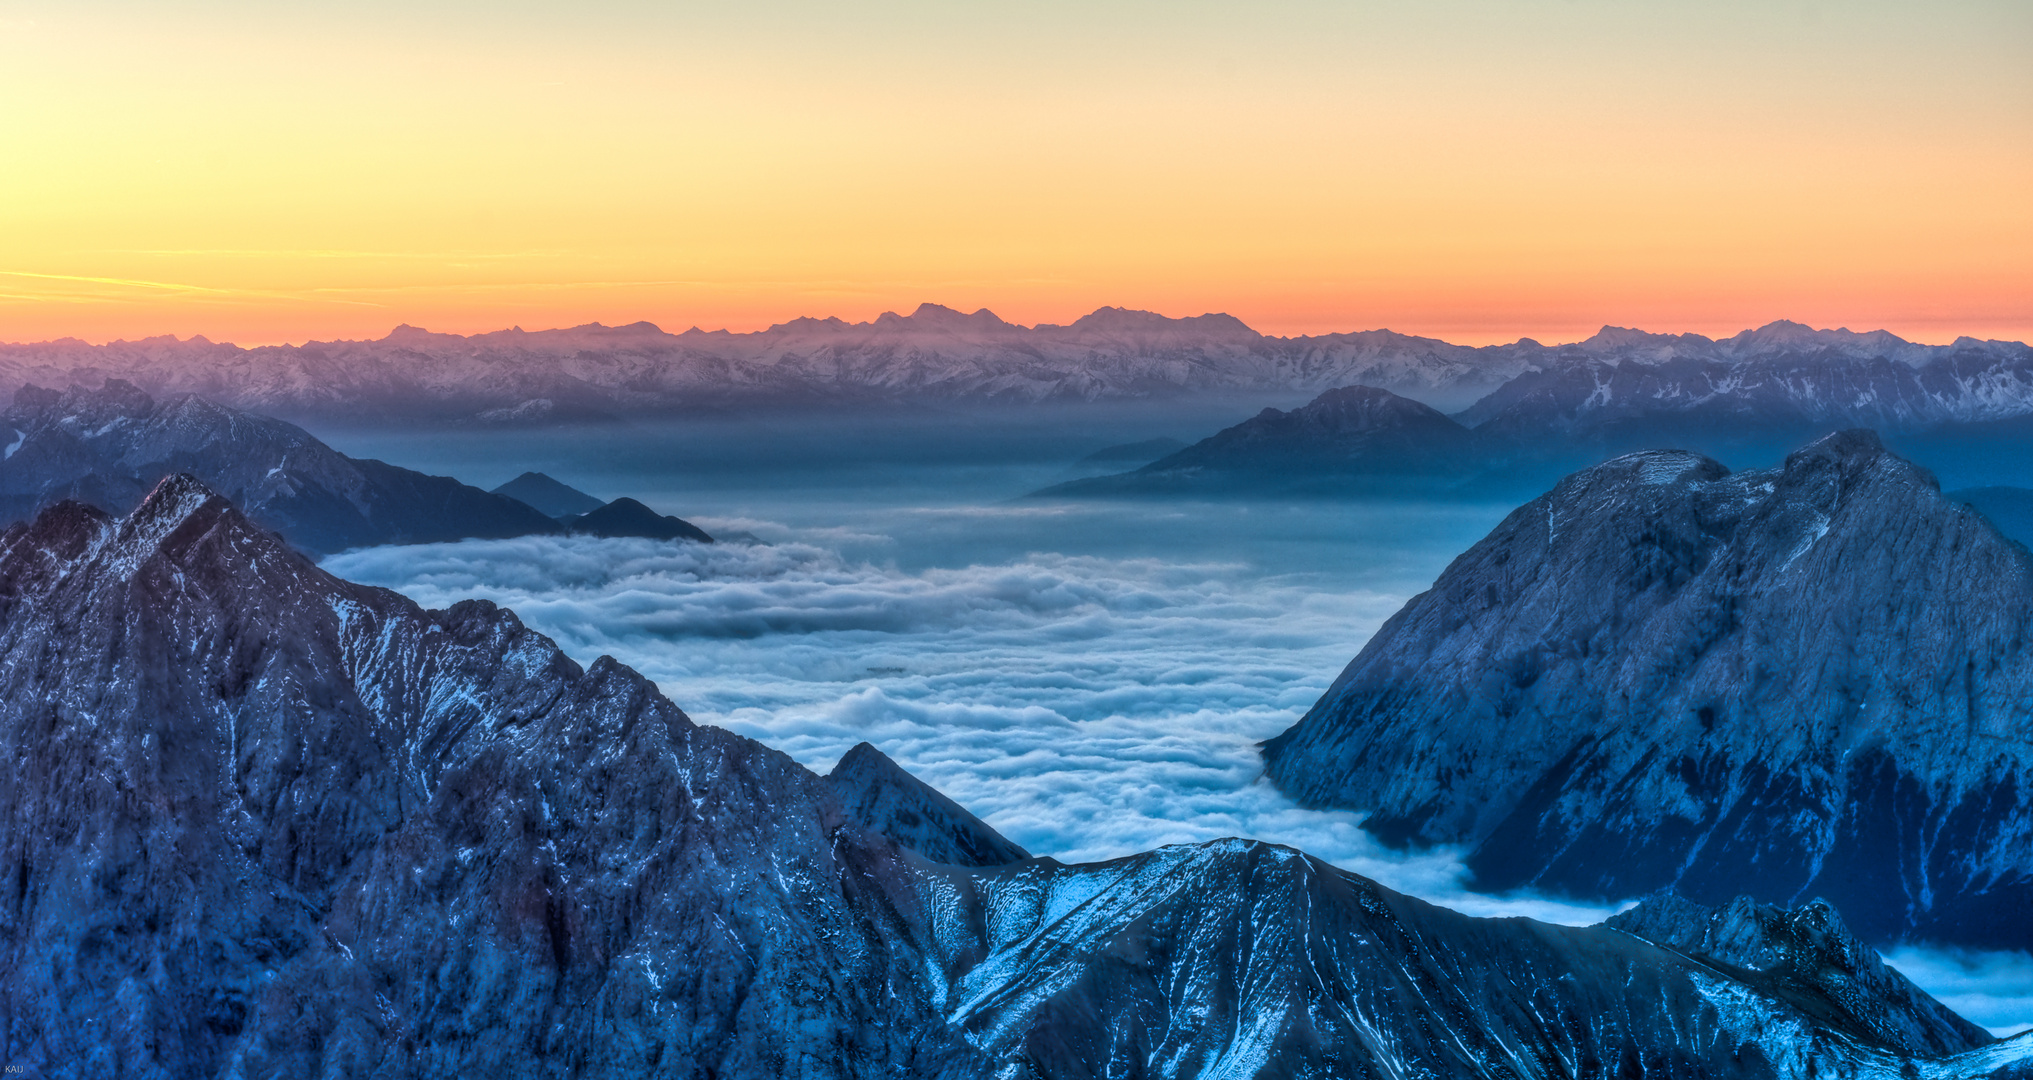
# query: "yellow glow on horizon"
1474,171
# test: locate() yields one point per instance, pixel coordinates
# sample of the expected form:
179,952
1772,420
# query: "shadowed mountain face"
1803,681
1356,439
626,517
263,822
938,356
555,499
108,447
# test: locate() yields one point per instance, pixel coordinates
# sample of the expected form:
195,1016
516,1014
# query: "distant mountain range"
1795,682
264,822
936,355
109,445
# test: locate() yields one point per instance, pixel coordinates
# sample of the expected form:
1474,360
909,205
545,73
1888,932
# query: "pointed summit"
885,797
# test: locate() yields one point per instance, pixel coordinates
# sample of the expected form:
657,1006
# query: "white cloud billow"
1088,708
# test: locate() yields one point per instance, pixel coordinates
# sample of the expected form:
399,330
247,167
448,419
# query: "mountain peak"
1660,673
1118,320
1808,947
883,796
175,499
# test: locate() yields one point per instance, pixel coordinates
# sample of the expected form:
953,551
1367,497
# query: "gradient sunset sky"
1472,170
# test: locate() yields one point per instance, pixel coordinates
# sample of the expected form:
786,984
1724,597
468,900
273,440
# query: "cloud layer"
1087,707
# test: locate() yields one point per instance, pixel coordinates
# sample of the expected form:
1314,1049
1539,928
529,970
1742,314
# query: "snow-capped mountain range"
941,356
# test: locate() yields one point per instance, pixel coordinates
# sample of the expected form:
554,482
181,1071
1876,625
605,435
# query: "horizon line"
936,309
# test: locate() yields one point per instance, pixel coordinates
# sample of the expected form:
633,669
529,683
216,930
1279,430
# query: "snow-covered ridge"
938,354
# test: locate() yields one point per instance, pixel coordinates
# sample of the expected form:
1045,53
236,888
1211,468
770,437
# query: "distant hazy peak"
552,497
627,517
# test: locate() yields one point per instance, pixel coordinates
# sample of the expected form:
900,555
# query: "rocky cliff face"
109,446
1804,681
263,822
1808,956
883,796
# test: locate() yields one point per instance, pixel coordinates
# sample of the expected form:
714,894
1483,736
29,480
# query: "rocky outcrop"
1796,682
109,446
1804,681
264,822
1809,957
883,796
1350,440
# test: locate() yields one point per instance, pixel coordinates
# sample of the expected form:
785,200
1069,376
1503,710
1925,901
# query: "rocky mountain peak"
1661,673
1811,952
883,796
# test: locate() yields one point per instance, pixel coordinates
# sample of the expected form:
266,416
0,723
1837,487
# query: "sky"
1472,169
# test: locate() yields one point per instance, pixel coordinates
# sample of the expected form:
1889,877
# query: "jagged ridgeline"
1815,680
264,822
107,447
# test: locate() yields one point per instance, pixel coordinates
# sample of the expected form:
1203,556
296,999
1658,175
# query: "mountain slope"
627,517
264,822
553,498
880,794
1350,439
109,446
1238,959
1796,682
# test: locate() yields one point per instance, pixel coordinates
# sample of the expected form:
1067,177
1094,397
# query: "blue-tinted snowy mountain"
260,821
108,446
1353,439
1804,681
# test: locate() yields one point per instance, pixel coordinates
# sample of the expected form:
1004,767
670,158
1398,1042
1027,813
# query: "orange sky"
1476,171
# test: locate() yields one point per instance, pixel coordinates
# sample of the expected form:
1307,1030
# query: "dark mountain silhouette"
109,446
1356,439
626,517
553,498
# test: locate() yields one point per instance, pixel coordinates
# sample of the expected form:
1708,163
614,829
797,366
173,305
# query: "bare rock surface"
883,796
1804,681
264,822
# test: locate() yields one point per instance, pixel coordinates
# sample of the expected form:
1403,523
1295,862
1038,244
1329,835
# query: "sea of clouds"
1087,707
